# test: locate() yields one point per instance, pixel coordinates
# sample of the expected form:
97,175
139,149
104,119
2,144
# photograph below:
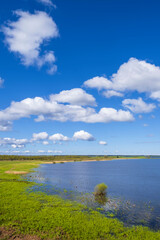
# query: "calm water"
133,185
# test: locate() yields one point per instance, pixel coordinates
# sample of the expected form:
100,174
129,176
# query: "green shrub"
100,189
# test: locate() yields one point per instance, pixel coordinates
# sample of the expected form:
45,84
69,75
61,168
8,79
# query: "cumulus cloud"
26,36
138,105
39,136
102,143
106,115
45,142
45,109
13,142
98,83
155,95
82,135
75,96
58,137
134,75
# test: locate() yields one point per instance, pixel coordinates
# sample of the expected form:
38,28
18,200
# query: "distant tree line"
50,158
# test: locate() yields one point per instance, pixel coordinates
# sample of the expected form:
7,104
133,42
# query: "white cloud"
4,128
54,151
153,116
51,110
155,95
16,151
58,151
138,105
41,151
50,151
82,135
145,125
1,82
13,142
26,36
112,93
52,70
58,137
75,96
102,143
140,116
45,142
98,83
39,136
134,75
106,115
5,125
47,3
17,146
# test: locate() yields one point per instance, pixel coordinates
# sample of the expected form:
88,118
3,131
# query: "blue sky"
79,77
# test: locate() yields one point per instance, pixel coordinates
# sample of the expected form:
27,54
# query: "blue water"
135,181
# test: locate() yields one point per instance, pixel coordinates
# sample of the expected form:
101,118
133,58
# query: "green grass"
50,217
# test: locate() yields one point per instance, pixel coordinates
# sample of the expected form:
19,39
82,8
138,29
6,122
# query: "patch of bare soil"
16,172
10,234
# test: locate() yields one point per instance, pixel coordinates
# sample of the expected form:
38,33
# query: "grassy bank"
50,217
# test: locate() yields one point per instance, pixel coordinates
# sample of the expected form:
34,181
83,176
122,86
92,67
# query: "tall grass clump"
100,193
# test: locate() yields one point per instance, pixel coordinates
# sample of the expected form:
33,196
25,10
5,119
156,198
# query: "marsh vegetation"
51,217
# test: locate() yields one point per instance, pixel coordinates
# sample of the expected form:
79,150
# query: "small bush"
100,189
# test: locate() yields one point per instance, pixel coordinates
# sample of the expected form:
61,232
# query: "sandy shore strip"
87,160
16,172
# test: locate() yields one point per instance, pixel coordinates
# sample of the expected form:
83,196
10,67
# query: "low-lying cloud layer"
13,142
45,139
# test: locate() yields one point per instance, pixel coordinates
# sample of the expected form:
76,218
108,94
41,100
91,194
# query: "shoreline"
92,160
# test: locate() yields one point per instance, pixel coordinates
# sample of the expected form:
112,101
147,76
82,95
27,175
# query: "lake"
133,186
